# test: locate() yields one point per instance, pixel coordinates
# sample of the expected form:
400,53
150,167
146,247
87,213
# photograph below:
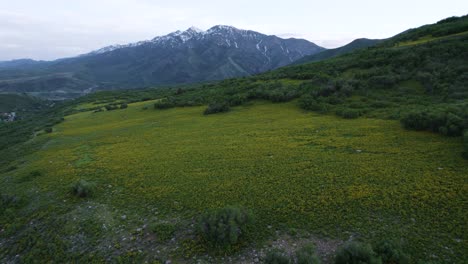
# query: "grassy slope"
329,176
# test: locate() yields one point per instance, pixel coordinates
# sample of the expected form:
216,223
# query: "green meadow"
157,170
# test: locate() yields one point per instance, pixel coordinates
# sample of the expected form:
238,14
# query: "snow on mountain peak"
195,29
179,37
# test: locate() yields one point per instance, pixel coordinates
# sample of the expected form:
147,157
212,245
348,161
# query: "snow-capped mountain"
186,56
225,35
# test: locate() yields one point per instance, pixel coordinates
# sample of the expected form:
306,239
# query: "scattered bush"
348,113
216,108
276,256
111,107
48,130
306,255
83,188
224,227
308,102
391,253
355,252
164,104
282,96
163,231
237,99
123,106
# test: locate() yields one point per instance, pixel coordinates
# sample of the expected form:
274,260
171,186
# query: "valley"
295,170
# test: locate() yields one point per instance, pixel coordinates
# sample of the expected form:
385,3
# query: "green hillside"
331,53
369,146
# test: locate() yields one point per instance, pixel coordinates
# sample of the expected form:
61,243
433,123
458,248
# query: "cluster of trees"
449,120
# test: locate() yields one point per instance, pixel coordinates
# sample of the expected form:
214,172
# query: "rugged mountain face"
180,57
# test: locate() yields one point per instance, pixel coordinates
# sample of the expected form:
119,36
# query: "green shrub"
355,252
276,256
237,99
282,96
163,231
349,113
449,122
83,188
216,108
48,130
123,106
391,253
308,102
111,107
306,255
224,227
164,104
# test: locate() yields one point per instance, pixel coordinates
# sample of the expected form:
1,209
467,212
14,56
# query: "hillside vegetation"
318,153
293,169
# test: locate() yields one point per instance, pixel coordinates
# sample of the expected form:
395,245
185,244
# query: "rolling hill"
327,54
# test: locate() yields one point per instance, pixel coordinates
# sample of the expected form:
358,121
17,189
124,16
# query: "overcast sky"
50,29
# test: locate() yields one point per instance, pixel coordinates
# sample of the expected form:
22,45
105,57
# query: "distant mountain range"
180,57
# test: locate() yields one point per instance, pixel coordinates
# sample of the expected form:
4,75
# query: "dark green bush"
123,106
237,99
83,188
216,108
356,252
163,231
308,102
391,252
449,122
48,130
111,107
348,113
306,255
282,96
276,256
224,227
164,104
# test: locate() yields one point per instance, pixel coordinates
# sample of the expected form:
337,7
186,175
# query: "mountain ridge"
179,57
356,44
